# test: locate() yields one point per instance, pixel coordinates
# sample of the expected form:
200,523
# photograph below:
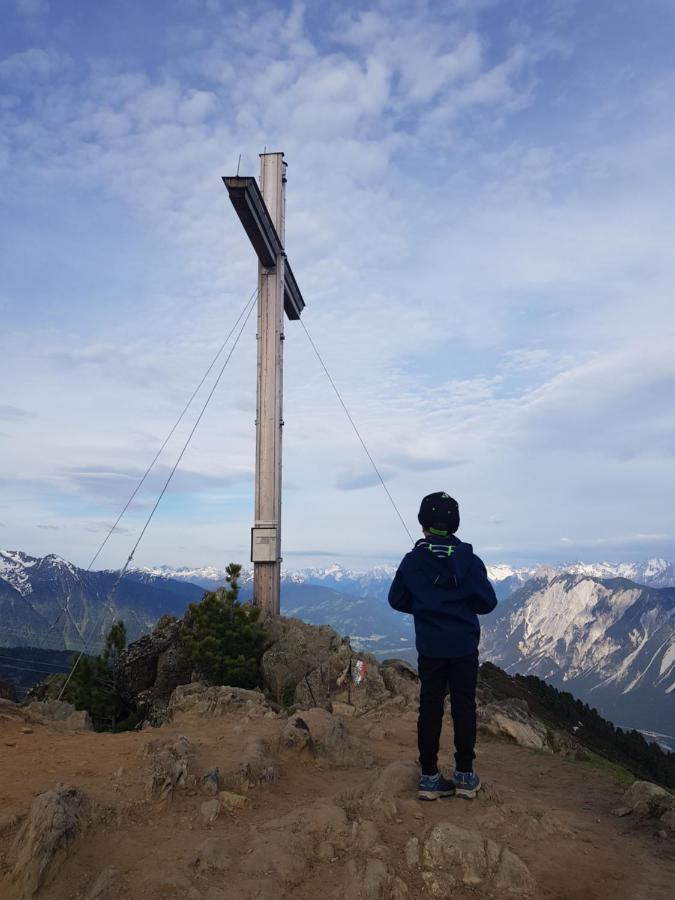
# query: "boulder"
401,680
315,732
372,880
55,820
303,663
511,718
61,715
233,802
209,811
168,763
216,700
257,765
476,861
648,800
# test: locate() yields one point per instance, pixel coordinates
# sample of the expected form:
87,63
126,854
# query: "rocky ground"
237,797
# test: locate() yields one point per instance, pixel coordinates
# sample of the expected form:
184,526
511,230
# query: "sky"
480,214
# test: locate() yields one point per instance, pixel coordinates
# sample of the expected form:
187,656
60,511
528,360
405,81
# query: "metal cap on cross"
262,212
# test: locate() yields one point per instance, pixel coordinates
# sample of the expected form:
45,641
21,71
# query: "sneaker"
467,784
431,787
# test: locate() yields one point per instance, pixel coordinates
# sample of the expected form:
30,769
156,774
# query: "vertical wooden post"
266,537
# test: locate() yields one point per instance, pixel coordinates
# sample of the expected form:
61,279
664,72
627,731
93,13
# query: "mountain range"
608,641
50,603
602,631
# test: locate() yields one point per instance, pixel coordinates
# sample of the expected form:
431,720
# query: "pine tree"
223,639
94,684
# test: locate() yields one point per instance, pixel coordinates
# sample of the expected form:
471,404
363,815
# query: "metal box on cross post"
264,544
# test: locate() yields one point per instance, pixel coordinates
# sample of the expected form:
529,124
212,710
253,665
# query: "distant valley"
604,632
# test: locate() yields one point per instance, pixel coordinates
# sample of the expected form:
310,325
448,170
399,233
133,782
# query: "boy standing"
445,587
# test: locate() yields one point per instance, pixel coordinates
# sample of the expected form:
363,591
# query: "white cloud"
31,8
490,288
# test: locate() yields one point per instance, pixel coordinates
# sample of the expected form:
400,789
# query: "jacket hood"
446,562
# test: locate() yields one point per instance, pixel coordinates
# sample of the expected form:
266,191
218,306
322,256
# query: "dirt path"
553,813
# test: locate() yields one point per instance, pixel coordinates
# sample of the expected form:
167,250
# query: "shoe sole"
467,794
434,795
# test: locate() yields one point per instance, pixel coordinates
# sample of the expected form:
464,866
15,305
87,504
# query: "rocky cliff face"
609,642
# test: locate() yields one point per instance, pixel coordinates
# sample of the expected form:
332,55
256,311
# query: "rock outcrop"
315,732
216,700
466,858
61,715
151,668
401,680
168,764
512,719
649,801
55,820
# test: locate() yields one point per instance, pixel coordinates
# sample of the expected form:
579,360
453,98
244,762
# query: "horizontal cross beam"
250,206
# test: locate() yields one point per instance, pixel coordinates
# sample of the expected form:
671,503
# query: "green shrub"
223,639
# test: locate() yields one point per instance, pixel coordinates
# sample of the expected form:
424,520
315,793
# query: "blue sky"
480,214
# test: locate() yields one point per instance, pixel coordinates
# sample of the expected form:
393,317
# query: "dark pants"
457,676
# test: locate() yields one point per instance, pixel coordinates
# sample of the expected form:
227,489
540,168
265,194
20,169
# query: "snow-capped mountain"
48,602
609,641
375,582
584,627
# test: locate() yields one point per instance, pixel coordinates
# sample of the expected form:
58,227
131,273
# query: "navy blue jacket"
445,586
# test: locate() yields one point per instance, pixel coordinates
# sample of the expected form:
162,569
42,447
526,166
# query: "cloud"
616,404
492,292
13,413
49,527
357,481
420,463
31,8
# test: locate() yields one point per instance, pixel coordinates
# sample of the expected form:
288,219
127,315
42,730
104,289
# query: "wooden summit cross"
262,212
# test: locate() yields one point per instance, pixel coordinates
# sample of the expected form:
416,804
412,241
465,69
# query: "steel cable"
250,304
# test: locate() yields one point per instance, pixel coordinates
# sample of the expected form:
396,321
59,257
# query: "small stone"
366,835
343,709
209,811
663,834
622,811
326,851
10,743
233,802
412,853
211,782
26,731
436,888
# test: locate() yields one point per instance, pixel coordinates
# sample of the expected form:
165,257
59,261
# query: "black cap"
439,511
